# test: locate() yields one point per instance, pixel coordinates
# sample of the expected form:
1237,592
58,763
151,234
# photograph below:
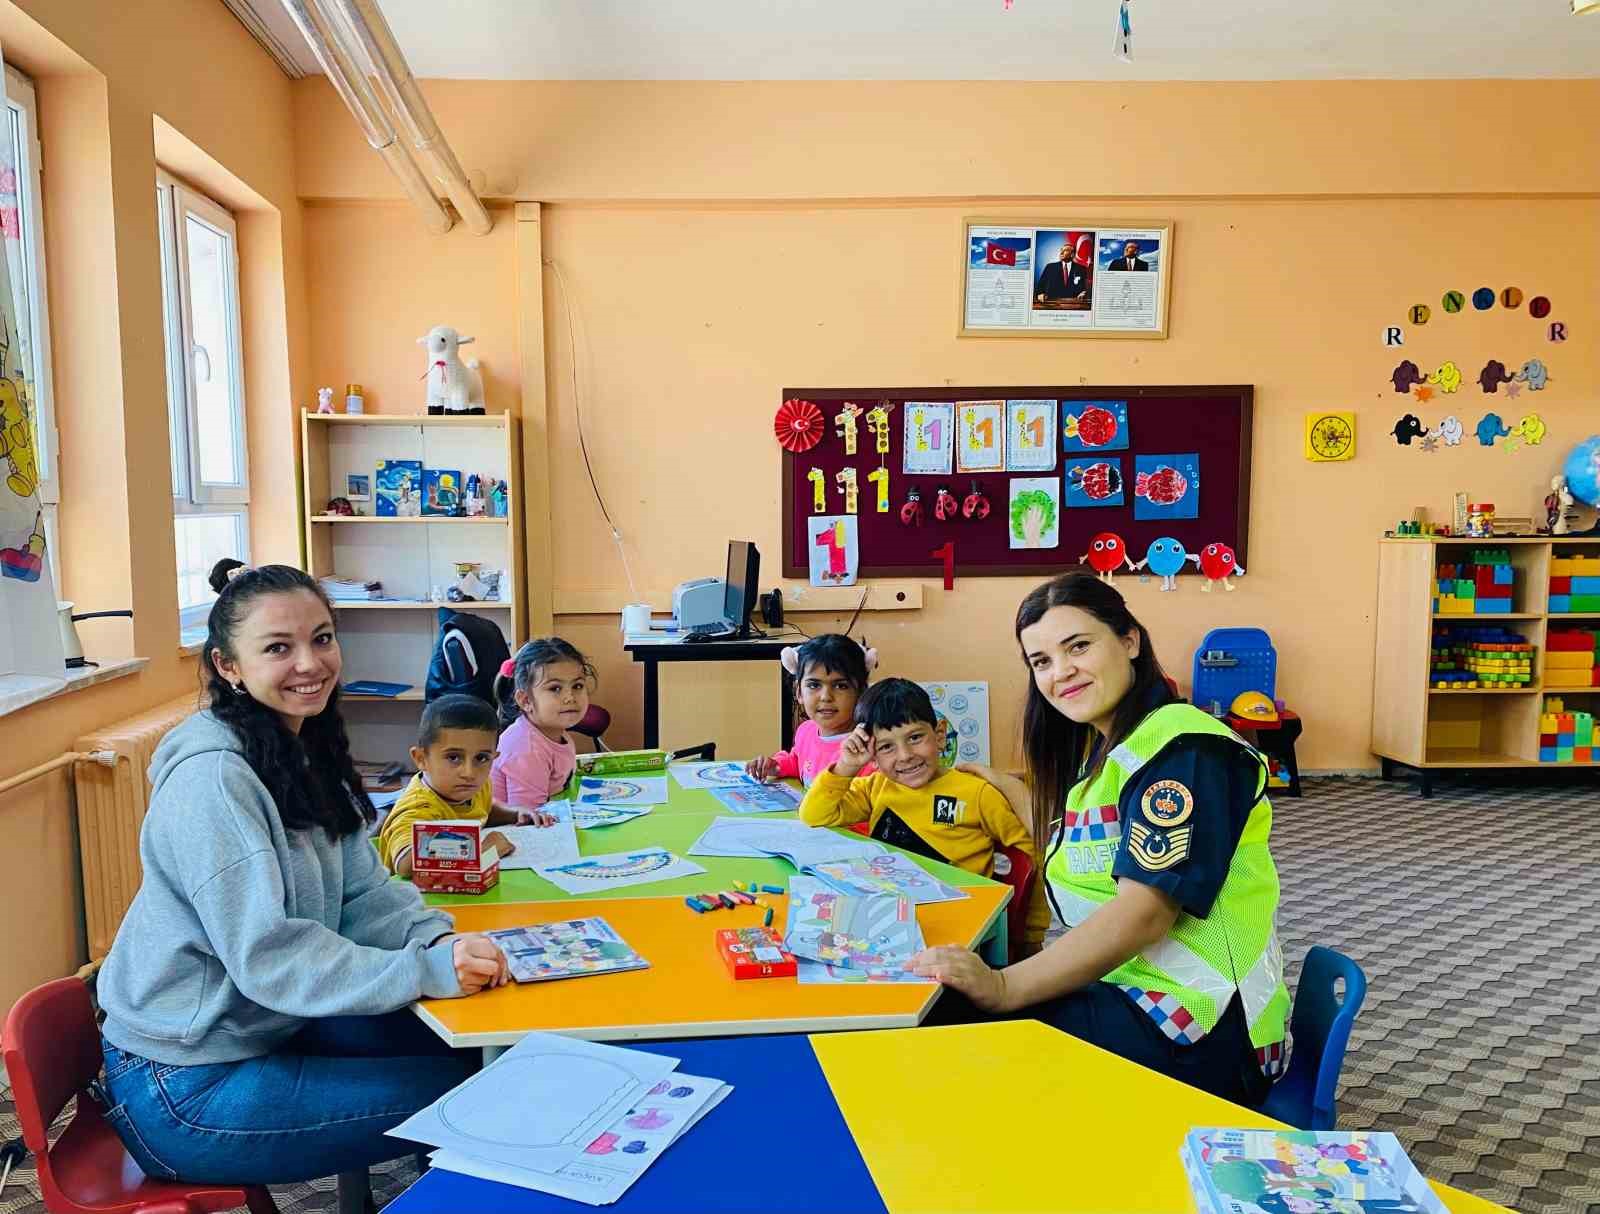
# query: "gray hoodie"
242,930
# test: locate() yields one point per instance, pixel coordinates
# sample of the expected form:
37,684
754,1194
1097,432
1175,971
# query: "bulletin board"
1173,435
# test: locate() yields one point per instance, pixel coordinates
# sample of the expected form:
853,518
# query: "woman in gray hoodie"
255,995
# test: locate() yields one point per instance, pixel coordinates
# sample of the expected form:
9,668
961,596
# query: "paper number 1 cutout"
982,436
947,553
880,478
878,423
846,479
819,491
1036,428
845,426
832,538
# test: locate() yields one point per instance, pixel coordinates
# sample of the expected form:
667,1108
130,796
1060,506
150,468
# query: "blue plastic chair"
1321,1026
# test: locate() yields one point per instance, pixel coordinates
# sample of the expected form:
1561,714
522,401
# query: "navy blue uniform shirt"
1182,816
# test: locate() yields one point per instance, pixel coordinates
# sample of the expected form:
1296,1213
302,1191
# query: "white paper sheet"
539,846
588,817
623,790
618,1157
796,842
614,870
709,775
540,1104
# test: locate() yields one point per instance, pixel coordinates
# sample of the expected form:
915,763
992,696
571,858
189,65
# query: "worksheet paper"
890,873
709,775
796,842
614,870
538,846
540,1104
878,932
614,1160
587,817
815,973
623,790
758,798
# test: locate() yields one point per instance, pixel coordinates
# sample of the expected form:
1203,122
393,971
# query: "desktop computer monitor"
739,588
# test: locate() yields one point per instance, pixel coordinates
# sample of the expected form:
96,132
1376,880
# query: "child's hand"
479,964
854,752
499,842
763,768
535,817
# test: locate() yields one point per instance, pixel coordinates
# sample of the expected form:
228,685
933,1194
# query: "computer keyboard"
707,632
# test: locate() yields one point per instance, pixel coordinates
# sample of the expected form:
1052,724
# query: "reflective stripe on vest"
1194,966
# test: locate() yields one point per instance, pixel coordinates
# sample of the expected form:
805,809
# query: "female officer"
1157,861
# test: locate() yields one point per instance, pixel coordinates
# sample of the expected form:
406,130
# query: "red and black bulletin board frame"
1211,420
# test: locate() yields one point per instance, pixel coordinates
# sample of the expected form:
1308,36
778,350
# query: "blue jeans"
316,1107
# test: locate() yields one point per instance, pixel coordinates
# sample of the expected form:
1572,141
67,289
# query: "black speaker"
772,609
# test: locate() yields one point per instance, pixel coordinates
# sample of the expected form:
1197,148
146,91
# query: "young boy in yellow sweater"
454,754
914,802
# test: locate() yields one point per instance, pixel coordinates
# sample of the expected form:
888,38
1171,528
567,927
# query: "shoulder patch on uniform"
1157,850
1167,803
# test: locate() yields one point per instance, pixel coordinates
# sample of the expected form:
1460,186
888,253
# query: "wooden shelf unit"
1430,729
392,639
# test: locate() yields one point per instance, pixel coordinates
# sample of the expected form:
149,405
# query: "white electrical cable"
583,443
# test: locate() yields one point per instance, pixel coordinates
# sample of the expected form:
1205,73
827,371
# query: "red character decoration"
798,425
911,512
1219,564
1106,553
976,505
945,506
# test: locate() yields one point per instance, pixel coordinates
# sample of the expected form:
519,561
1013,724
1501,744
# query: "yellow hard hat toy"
1253,706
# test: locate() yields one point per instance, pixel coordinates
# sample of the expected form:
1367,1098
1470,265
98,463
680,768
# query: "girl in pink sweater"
549,695
830,673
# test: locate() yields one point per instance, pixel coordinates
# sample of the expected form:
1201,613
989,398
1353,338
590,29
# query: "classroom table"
983,1118
687,991
651,652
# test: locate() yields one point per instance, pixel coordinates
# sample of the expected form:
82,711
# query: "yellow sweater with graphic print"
959,816
419,803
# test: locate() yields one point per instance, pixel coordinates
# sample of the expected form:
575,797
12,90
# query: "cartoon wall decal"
1450,431
1219,564
1534,374
1107,552
1405,376
1494,374
1408,428
1489,429
1447,377
1164,557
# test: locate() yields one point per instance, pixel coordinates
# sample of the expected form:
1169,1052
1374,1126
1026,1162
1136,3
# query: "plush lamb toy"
454,386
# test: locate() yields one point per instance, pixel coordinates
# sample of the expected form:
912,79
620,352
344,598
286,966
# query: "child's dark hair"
890,703
310,774
528,664
836,652
455,712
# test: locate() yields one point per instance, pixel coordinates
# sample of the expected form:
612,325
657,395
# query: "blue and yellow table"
1009,1116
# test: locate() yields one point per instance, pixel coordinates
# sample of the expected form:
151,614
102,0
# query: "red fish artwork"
1162,487
1094,427
1096,481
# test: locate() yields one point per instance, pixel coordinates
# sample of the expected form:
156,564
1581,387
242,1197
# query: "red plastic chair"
52,1053
1019,876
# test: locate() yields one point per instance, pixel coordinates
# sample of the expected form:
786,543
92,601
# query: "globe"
1583,471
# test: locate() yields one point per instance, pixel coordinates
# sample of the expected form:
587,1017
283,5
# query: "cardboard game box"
620,762
754,952
447,857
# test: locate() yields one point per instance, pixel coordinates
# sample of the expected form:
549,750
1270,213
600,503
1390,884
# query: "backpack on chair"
466,656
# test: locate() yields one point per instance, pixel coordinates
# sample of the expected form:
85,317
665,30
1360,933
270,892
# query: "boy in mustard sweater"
912,801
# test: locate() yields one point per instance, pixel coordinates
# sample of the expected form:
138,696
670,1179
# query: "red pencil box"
754,952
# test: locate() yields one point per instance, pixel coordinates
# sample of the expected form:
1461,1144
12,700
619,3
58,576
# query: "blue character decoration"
1491,428
1164,557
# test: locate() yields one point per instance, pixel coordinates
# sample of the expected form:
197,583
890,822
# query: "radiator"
111,807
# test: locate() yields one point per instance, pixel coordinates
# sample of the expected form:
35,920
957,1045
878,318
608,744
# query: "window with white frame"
22,223
205,390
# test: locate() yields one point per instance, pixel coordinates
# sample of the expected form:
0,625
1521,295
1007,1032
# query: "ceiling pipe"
380,56
358,96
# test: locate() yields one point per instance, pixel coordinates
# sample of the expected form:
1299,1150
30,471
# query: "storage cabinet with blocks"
1470,634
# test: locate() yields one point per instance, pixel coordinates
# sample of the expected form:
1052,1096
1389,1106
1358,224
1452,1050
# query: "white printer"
699,603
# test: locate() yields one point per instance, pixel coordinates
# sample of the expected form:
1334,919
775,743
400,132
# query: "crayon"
743,898
710,900
772,889
738,885
695,905
767,920
728,900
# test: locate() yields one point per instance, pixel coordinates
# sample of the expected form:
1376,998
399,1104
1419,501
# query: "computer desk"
652,651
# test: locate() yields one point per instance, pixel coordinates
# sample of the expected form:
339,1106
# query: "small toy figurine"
324,400
1556,506
454,385
340,505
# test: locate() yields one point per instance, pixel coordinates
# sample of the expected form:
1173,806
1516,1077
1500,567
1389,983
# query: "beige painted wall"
106,73
722,241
